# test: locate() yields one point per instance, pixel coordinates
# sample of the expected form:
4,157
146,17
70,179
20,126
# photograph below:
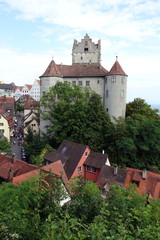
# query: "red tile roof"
38,81
117,69
52,70
30,104
148,185
75,70
8,117
18,167
28,86
55,168
7,99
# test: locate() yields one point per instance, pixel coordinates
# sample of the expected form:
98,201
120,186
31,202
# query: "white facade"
35,90
18,93
26,89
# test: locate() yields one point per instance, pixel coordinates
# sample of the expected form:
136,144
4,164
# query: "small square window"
74,82
86,49
80,83
113,79
87,83
79,169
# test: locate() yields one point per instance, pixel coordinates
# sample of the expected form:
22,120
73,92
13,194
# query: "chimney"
115,170
144,174
10,175
13,159
102,151
155,170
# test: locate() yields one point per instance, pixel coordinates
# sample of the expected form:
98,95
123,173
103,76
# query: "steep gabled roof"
69,153
28,86
117,69
52,70
96,160
73,152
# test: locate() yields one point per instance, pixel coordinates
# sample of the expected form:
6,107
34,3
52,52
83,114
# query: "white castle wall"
115,95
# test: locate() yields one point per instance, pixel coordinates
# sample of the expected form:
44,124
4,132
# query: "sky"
33,32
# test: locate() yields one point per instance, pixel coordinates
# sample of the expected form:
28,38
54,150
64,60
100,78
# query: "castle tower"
115,91
86,51
48,79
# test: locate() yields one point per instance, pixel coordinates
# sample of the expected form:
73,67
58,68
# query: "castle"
86,70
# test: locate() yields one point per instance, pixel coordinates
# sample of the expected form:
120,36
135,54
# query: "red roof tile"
18,167
52,70
117,70
75,70
28,86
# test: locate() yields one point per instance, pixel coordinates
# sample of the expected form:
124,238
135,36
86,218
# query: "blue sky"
34,31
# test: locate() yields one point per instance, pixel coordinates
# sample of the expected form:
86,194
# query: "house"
7,90
31,105
77,159
8,104
35,90
6,124
33,124
93,164
26,89
86,70
72,156
18,92
56,169
146,181
11,167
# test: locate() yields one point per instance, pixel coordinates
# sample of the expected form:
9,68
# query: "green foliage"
34,146
76,114
25,208
85,201
19,107
33,211
5,146
140,110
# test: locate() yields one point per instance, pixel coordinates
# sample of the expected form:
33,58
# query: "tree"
5,146
75,114
140,110
85,201
33,145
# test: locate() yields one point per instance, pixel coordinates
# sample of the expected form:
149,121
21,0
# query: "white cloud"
127,19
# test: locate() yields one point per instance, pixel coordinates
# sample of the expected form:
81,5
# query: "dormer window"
64,149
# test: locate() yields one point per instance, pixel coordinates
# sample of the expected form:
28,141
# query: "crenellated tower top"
86,51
